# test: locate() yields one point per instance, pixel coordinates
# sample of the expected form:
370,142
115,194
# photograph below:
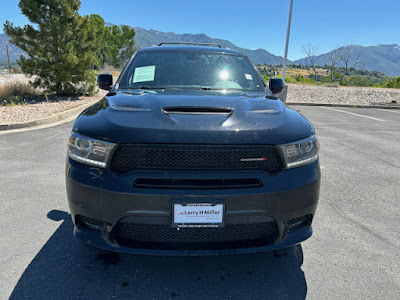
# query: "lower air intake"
164,237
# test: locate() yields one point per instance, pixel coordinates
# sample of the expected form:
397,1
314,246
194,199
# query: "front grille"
166,237
190,157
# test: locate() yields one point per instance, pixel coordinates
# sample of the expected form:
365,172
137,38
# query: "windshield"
192,70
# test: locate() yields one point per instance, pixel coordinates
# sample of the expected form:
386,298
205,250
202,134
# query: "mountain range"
146,38
383,58
13,50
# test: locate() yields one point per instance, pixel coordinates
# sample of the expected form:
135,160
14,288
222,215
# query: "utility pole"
287,39
8,58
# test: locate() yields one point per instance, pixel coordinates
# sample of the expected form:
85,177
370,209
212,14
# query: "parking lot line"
391,110
348,112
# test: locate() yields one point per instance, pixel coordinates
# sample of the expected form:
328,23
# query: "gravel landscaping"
38,110
31,112
355,96
340,95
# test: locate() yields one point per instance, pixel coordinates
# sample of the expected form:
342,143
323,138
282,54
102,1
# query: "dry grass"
292,72
115,74
110,69
15,93
305,73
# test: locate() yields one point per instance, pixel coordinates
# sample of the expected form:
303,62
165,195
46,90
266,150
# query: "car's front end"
227,172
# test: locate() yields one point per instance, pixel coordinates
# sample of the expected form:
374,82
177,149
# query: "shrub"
266,78
289,79
393,83
14,94
300,78
366,81
317,77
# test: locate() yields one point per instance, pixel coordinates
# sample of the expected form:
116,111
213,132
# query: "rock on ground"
357,96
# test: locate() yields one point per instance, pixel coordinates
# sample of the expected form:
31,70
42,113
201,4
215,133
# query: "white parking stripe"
347,112
391,110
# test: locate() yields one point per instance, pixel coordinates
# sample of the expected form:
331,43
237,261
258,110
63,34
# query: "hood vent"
197,110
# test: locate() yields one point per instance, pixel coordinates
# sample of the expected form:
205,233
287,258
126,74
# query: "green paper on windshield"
144,74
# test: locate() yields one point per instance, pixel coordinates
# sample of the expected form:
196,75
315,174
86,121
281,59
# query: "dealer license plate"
198,215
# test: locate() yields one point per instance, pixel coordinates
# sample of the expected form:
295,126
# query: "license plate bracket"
198,214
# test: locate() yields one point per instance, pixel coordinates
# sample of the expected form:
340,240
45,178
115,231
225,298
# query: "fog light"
89,223
297,223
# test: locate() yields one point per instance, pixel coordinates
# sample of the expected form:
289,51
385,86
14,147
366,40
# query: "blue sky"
253,24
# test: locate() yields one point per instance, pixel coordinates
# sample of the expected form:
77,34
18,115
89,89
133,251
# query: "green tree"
61,46
393,83
119,45
117,42
97,24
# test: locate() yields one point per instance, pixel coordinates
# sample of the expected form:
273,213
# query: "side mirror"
105,81
276,85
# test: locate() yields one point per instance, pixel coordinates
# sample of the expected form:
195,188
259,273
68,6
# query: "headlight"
89,151
301,152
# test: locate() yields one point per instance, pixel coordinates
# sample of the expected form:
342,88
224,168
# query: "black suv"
190,153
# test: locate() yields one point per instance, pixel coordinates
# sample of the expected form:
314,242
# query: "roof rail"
189,43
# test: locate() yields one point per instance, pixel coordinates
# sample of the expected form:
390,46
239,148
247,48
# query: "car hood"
192,116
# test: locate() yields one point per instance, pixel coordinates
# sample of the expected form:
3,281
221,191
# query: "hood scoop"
197,110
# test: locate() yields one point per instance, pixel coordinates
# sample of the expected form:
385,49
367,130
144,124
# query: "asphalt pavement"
353,254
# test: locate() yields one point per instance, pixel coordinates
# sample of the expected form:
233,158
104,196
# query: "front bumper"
109,197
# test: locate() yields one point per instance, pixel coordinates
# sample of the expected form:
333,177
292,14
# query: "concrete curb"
65,115
344,105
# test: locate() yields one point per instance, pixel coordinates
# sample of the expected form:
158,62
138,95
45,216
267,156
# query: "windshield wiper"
219,89
146,87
